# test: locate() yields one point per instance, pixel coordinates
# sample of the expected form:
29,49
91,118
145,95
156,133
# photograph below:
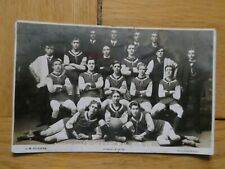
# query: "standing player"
143,127
129,64
60,90
82,126
90,84
169,93
115,117
40,68
104,64
75,63
150,50
141,88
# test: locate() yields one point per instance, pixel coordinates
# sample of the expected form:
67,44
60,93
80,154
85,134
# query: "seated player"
141,88
115,82
143,127
90,84
129,64
169,93
60,90
83,125
116,116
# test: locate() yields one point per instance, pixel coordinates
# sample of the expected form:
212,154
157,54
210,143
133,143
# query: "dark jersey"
141,83
116,81
130,62
75,57
104,66
84,124
116,112
158,70
59,95
169,85
140,125
147,54
90,78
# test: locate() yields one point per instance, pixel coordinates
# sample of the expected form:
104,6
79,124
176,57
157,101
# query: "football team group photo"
113,86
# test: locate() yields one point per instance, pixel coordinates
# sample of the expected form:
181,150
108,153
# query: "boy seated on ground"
115,117
142,127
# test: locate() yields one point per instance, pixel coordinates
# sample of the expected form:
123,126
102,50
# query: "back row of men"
150,80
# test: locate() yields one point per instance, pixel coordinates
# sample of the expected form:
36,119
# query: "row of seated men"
128,74
114,118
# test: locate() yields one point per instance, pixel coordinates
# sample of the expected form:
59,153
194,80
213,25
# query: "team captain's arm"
177,93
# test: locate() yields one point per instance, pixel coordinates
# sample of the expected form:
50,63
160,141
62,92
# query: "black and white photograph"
87,88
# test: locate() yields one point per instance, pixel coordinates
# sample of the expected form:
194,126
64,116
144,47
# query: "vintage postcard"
85,88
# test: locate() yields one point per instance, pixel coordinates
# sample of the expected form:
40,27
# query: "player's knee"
178,110
157,108
161,140
55,114
146,106
55,108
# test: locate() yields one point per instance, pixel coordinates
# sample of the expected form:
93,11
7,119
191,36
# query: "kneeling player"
143,127
115,117
169,92
60,90
83,125
141,88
